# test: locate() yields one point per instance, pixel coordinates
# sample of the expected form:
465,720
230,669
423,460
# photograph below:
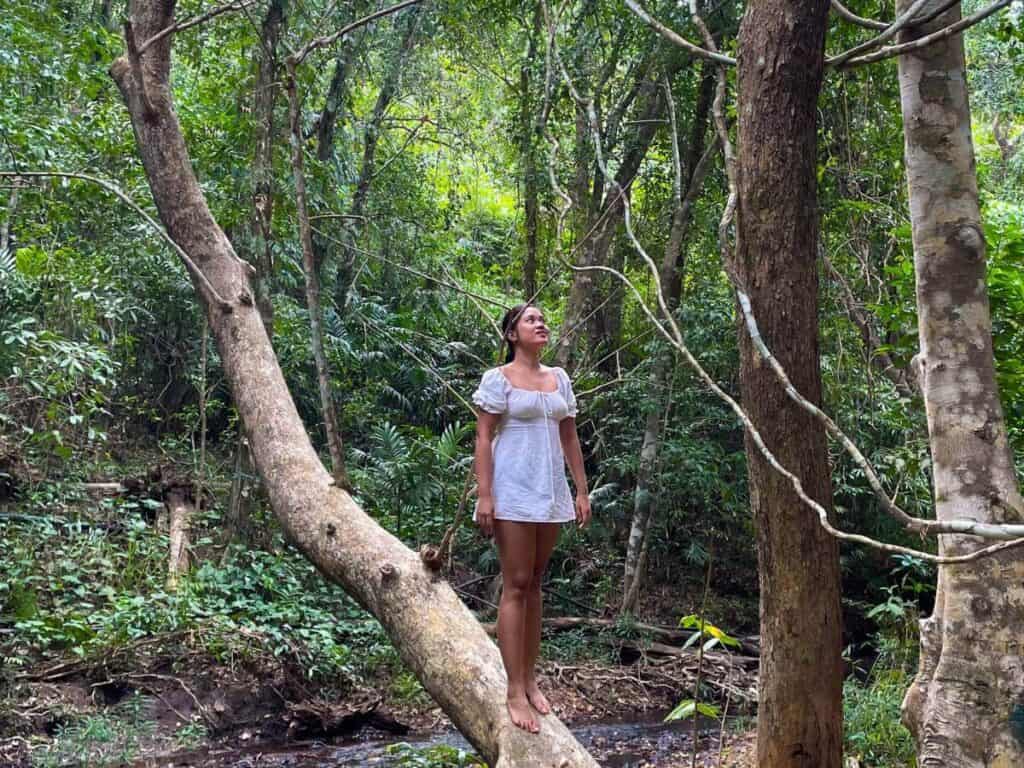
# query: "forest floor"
160,703
256,661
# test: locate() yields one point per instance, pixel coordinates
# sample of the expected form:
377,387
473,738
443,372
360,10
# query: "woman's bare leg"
517,547
547,536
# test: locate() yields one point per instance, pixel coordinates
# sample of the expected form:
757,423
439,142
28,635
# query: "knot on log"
330,530
432,557
969,238
388,574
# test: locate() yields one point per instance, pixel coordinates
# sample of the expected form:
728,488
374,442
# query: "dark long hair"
508,324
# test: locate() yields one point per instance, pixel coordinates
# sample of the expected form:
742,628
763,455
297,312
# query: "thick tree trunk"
966,706
670,274
779,74
433,631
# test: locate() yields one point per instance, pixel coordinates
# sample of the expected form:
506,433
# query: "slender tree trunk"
529,127
434,632
179,512
336,92
12,209
966,706
264,100
312,275
673,265
371,138
261,232
605,219
781,48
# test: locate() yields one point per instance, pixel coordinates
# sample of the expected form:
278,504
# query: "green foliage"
104,739
871,713
714,635
93,592
687,708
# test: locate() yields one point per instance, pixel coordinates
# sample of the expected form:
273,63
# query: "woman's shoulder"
494,378
559,372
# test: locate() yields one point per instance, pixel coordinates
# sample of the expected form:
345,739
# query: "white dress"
529,467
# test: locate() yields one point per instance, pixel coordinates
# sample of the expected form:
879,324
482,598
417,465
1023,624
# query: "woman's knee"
517,585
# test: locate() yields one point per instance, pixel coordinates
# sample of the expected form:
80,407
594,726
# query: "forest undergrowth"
104,663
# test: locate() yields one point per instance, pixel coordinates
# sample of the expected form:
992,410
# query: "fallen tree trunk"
435,634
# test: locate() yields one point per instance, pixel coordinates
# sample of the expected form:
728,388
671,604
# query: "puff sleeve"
565,385
490,396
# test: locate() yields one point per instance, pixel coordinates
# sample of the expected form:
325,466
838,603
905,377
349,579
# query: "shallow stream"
650,744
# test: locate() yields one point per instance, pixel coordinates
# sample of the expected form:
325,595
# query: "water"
614,744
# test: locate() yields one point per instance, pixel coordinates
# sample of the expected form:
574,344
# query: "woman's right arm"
486,423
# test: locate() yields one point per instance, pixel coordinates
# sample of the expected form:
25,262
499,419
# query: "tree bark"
529,124
371,138
179,512
966,706
311,272
264,100
261,232
781,48
434,632
670,274
605,217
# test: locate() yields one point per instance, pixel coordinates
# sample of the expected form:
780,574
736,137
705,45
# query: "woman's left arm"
574,458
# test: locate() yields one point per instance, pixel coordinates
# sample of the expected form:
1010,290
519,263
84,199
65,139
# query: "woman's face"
531,330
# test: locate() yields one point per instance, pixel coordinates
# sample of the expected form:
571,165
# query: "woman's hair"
508,324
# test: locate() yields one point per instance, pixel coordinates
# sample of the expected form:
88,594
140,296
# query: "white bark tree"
966,706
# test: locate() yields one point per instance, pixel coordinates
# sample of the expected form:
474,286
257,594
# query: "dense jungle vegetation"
449,172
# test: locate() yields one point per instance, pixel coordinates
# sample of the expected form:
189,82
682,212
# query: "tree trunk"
605,220
529,125
261,234
671,272
434,632
311,272
966,706
371,138
179,512
781,45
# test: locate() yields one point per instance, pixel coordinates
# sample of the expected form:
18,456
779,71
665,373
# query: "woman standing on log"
523,494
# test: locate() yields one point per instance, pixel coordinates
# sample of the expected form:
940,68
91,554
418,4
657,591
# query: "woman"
526,431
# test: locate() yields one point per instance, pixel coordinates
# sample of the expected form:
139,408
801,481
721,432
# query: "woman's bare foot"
521,714
537,698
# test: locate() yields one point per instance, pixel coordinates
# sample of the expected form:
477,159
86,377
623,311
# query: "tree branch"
321,42
853,18
235,5
923,42
675,38
117,192
886,35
